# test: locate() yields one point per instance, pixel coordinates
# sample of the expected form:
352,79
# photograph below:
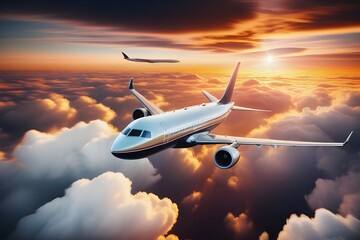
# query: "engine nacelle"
226,157
139,113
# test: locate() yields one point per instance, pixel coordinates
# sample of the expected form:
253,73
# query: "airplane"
154,130
126,57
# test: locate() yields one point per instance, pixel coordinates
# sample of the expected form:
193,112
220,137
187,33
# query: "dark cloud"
153,42
241,36
312,15
354,100
324,14
142,15
123,215
341,194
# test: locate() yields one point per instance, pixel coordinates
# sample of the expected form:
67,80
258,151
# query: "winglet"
226,98
131,84
125,56
348,138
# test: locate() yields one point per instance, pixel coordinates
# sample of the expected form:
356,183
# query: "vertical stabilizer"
125,56
226,98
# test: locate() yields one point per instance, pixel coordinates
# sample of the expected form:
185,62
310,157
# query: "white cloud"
46,164
101,208
81,151
325,225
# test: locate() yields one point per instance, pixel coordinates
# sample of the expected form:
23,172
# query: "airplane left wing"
207,138
152,108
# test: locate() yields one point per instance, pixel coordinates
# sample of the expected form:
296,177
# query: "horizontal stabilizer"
209,96
238,108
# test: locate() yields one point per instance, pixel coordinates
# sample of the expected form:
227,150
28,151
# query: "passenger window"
135,133
126,131
146,134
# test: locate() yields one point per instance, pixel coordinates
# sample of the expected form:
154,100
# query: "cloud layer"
250,200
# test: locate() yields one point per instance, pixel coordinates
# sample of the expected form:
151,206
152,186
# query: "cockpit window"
126,131
135,133
146,134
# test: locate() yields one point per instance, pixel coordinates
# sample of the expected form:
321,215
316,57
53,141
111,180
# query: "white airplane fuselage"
169,129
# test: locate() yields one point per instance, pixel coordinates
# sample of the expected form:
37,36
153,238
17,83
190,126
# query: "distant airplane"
126,57
154,130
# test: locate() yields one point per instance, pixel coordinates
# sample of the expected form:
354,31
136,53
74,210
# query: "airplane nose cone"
120,144
123,143
127,147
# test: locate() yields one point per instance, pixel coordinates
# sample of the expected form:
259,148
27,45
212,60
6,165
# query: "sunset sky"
64,98
207,36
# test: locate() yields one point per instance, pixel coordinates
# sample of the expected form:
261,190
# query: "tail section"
226,98
125,56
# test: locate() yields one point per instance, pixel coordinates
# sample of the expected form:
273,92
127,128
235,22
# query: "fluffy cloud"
45,164
325,225
318,98
89,109
101,208
85,151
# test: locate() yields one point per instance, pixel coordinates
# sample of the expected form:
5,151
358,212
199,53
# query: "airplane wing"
152,108
207,138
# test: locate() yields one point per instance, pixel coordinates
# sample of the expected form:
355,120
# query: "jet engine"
226,157
139,113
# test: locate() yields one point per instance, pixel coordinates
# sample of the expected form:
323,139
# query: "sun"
269,59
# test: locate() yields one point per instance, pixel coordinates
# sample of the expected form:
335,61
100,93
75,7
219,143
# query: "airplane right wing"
207,138
152,108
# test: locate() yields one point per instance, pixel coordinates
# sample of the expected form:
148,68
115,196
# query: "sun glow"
269,59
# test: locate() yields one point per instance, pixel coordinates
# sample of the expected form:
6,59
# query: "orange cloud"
240,225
